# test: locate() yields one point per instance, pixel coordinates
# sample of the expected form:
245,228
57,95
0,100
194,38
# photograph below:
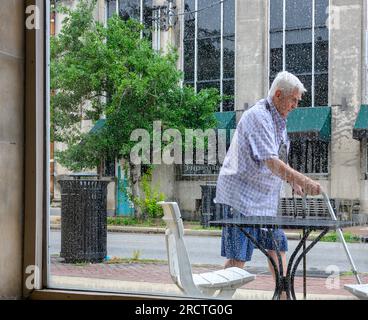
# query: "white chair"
221,283
359,290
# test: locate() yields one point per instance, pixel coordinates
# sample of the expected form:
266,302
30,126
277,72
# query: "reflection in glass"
208,40
209,22
229,18
209,58
147,14
299,45
298,14
321,90
189,22
111,8
309,156
275,53
299,58
307,97
229,57
228,90
321,12
189,60
276,9
129,9
321,50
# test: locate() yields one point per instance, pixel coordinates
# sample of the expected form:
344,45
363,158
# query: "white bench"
221,283
359,290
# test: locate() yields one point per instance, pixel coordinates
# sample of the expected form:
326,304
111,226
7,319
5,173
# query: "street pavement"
326,267
323,258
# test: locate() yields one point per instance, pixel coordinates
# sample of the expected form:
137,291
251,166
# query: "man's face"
284,103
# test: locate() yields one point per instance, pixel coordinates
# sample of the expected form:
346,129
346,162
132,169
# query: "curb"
189,232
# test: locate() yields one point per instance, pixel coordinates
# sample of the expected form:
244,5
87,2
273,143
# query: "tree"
112,71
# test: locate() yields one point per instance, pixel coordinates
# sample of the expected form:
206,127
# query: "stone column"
345,74
251,32
11,146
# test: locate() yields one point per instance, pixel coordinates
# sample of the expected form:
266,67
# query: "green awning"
98,125
225,120
312,123
360,129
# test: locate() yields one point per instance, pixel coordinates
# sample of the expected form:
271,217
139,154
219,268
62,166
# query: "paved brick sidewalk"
159,273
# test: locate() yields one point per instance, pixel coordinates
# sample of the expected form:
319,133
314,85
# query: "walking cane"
341,236
304,247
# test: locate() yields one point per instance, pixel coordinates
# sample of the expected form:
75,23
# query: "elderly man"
251,176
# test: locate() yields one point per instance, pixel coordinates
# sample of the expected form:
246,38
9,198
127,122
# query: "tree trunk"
135,175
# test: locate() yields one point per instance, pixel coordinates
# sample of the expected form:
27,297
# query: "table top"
285,222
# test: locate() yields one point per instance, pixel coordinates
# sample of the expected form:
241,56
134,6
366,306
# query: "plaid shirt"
245,182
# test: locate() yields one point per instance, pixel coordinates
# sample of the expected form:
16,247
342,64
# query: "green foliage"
133,221
333,237
148,203
110,70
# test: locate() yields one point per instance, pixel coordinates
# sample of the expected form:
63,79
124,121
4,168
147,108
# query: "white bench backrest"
179,263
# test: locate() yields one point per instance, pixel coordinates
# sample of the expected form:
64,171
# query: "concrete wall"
345,74
250,52
11,146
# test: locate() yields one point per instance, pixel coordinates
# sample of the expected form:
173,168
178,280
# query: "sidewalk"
154,278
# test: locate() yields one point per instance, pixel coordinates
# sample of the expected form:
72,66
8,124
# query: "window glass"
321,89
276,19
189,60
298,14
111,8
321,12
209,41
309,156
129,9
228,90
209,54
299,46
229,57
209,22
229,14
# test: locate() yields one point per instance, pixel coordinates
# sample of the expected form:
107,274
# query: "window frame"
313,28
36,172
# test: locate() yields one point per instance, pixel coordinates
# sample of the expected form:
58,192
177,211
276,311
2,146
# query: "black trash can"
211,211
83,218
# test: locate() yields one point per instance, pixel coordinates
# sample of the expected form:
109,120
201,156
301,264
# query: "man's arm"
295,178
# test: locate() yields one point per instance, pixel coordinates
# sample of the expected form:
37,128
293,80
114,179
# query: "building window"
140,10
299,44
209,47
309,156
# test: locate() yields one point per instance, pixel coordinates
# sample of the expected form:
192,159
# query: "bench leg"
226,293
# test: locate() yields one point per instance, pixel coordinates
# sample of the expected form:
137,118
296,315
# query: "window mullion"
284,35
221,54
313,49
141,15
195,44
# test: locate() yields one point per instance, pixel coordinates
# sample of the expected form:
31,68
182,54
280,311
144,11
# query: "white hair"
287,83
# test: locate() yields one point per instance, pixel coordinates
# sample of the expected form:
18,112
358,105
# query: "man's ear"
278,93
